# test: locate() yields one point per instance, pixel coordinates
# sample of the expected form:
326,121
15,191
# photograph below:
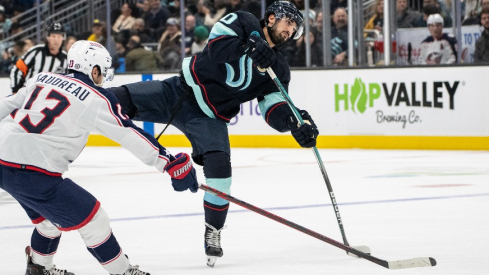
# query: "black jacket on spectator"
481,54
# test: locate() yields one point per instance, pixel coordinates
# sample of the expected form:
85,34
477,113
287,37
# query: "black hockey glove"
305,134
182,173
262,55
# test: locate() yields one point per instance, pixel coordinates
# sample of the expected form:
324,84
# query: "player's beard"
275,36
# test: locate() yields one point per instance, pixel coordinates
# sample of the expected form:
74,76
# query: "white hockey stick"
364,249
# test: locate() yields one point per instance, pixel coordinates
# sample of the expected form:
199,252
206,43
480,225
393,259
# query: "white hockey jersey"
45,126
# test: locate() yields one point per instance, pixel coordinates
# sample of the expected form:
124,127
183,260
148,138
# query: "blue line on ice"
275,208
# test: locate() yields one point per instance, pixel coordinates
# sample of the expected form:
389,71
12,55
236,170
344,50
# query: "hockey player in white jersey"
43,128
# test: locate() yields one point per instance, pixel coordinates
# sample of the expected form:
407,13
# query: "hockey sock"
215,215
217,170
103,245
44,243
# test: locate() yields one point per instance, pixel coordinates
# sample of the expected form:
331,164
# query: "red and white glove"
182,173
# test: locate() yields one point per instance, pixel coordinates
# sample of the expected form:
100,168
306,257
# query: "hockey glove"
305,134
262,55
182,173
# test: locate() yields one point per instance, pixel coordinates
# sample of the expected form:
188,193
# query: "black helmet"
55,28
286,9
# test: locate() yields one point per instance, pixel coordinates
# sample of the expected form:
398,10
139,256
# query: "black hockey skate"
212,244
35,269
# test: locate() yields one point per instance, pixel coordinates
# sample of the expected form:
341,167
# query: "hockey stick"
364,249
408,263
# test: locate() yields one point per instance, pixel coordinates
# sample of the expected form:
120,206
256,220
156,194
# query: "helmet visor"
109,74
298,32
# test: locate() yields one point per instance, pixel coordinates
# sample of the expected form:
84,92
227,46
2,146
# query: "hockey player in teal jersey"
209,91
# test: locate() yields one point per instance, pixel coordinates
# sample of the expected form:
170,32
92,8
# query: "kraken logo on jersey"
245,71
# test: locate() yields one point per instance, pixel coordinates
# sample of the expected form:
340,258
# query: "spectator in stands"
202,8
5,62
473,17
140,30
439,47
443,12
300,4
481,54
169,45
119,58
144,9
99,32
319,22
15,28
28,45
138,59
18,51
339,37
125,21
427,11
221,8
174,7
5,23
335,4
201,35
155,19
10,56
189,33
70,40
22,5
316,50
406,17
376,22
471,8
484,4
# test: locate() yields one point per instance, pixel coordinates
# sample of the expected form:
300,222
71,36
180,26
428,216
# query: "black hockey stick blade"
408,263
362,248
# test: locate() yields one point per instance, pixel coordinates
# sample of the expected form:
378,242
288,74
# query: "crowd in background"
147,34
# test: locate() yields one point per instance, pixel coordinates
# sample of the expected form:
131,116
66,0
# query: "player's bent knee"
46,228
217,164
97,230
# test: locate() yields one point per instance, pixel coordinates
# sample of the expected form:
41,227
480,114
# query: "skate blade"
211,261
362,248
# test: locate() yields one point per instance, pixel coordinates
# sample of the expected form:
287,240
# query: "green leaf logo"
358,96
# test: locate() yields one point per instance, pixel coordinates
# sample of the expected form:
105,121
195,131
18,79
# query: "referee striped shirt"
37,59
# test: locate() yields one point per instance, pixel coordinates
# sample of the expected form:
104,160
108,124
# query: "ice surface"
401,204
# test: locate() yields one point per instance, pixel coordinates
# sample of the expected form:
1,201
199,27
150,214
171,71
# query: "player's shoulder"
428,39
246,17
449,37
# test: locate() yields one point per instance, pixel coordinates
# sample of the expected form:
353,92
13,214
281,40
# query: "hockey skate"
35,269
212,244
134,270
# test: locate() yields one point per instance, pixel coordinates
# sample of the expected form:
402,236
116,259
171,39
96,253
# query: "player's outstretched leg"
35,269
217,170
212,244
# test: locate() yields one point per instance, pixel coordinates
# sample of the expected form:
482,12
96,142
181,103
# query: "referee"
48,57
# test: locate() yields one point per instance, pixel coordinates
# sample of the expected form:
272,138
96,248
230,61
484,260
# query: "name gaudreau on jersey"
63,83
